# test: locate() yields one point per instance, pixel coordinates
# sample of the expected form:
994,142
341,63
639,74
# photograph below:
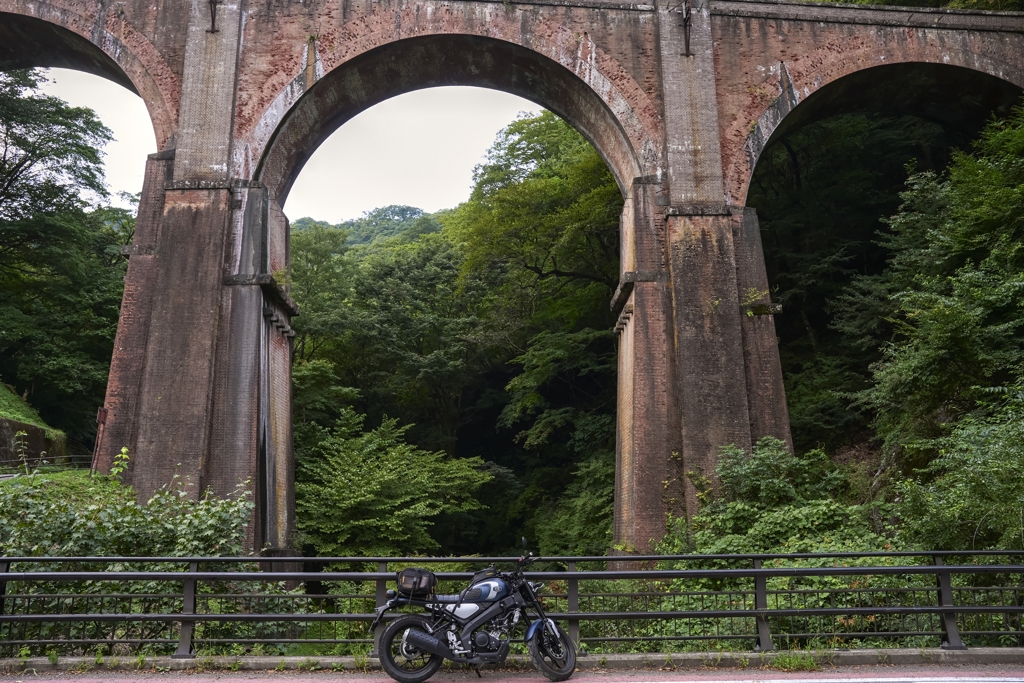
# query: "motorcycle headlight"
537,586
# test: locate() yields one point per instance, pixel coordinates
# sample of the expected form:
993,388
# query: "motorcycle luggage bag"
413,581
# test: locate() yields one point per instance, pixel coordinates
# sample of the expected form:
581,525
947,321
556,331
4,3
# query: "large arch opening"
439,60
426,259
63,265
27,42
826,179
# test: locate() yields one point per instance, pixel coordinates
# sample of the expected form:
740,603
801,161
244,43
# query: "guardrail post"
186,649
764,631
951,632
4,567
573,591
381,596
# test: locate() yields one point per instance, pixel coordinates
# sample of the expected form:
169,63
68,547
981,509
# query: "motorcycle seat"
446,599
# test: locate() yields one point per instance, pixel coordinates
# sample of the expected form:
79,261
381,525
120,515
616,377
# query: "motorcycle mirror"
524,542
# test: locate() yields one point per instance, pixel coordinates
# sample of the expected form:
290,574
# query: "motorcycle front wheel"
554,654
400,660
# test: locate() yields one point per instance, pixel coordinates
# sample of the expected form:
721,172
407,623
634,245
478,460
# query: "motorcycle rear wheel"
402,662
554,654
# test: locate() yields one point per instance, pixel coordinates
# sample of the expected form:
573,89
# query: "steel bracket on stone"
278,322
623,319
271,289
626,282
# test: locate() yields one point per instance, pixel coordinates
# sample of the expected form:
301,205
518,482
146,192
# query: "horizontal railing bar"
650,575
641,639
855,634
566,558
96,641
105,596
303,641
582,616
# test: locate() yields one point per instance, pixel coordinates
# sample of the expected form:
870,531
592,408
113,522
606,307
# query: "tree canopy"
61,266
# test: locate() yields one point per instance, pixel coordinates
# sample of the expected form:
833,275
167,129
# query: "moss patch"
13,407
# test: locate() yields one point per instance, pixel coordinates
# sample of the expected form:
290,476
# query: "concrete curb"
781,660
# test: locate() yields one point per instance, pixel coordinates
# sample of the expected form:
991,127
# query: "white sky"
417,149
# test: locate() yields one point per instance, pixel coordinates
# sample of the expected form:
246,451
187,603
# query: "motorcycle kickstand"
477,669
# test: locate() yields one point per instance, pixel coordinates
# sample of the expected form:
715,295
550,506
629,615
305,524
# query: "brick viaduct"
680,100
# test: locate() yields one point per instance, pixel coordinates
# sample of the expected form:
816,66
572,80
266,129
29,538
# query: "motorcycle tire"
403,663
554,654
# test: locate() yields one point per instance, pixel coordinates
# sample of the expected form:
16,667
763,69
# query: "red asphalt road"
865,674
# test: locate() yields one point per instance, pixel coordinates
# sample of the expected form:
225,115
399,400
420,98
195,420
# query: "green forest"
454,373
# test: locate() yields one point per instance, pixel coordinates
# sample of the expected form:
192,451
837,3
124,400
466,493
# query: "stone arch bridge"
679,97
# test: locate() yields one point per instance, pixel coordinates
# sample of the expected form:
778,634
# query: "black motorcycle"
473,627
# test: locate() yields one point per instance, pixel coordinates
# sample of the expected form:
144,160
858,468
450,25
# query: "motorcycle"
473,627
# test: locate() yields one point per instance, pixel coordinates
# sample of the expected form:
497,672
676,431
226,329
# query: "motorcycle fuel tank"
488,590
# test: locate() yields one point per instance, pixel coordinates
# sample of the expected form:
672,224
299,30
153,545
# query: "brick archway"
813,88
321,99
57,34
303,115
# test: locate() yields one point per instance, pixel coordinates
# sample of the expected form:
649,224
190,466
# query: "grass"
794,661
75,485
12,407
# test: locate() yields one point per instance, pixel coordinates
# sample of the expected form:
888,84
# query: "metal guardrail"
160,604
9,466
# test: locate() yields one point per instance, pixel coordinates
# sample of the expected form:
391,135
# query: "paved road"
948,674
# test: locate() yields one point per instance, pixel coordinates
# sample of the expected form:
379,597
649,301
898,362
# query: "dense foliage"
772,500
901,340
498,317
61,266
371,493
75,514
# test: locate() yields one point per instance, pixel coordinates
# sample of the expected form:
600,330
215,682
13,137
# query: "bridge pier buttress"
713,376
201,377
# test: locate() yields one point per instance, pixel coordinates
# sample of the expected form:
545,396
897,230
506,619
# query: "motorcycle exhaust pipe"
424,641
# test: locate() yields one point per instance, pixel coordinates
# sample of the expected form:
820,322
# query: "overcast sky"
417,149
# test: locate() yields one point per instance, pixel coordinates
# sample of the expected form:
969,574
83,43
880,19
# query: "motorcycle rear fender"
393,602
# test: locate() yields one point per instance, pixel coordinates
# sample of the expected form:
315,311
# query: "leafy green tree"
820,192
970,496
952,294
372,493
774,501
50,153
61,267
427,339
322,280
492,314
388,222
544,215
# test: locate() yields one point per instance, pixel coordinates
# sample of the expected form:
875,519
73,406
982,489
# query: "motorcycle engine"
485,640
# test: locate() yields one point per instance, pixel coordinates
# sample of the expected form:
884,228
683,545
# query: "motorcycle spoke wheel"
401,661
